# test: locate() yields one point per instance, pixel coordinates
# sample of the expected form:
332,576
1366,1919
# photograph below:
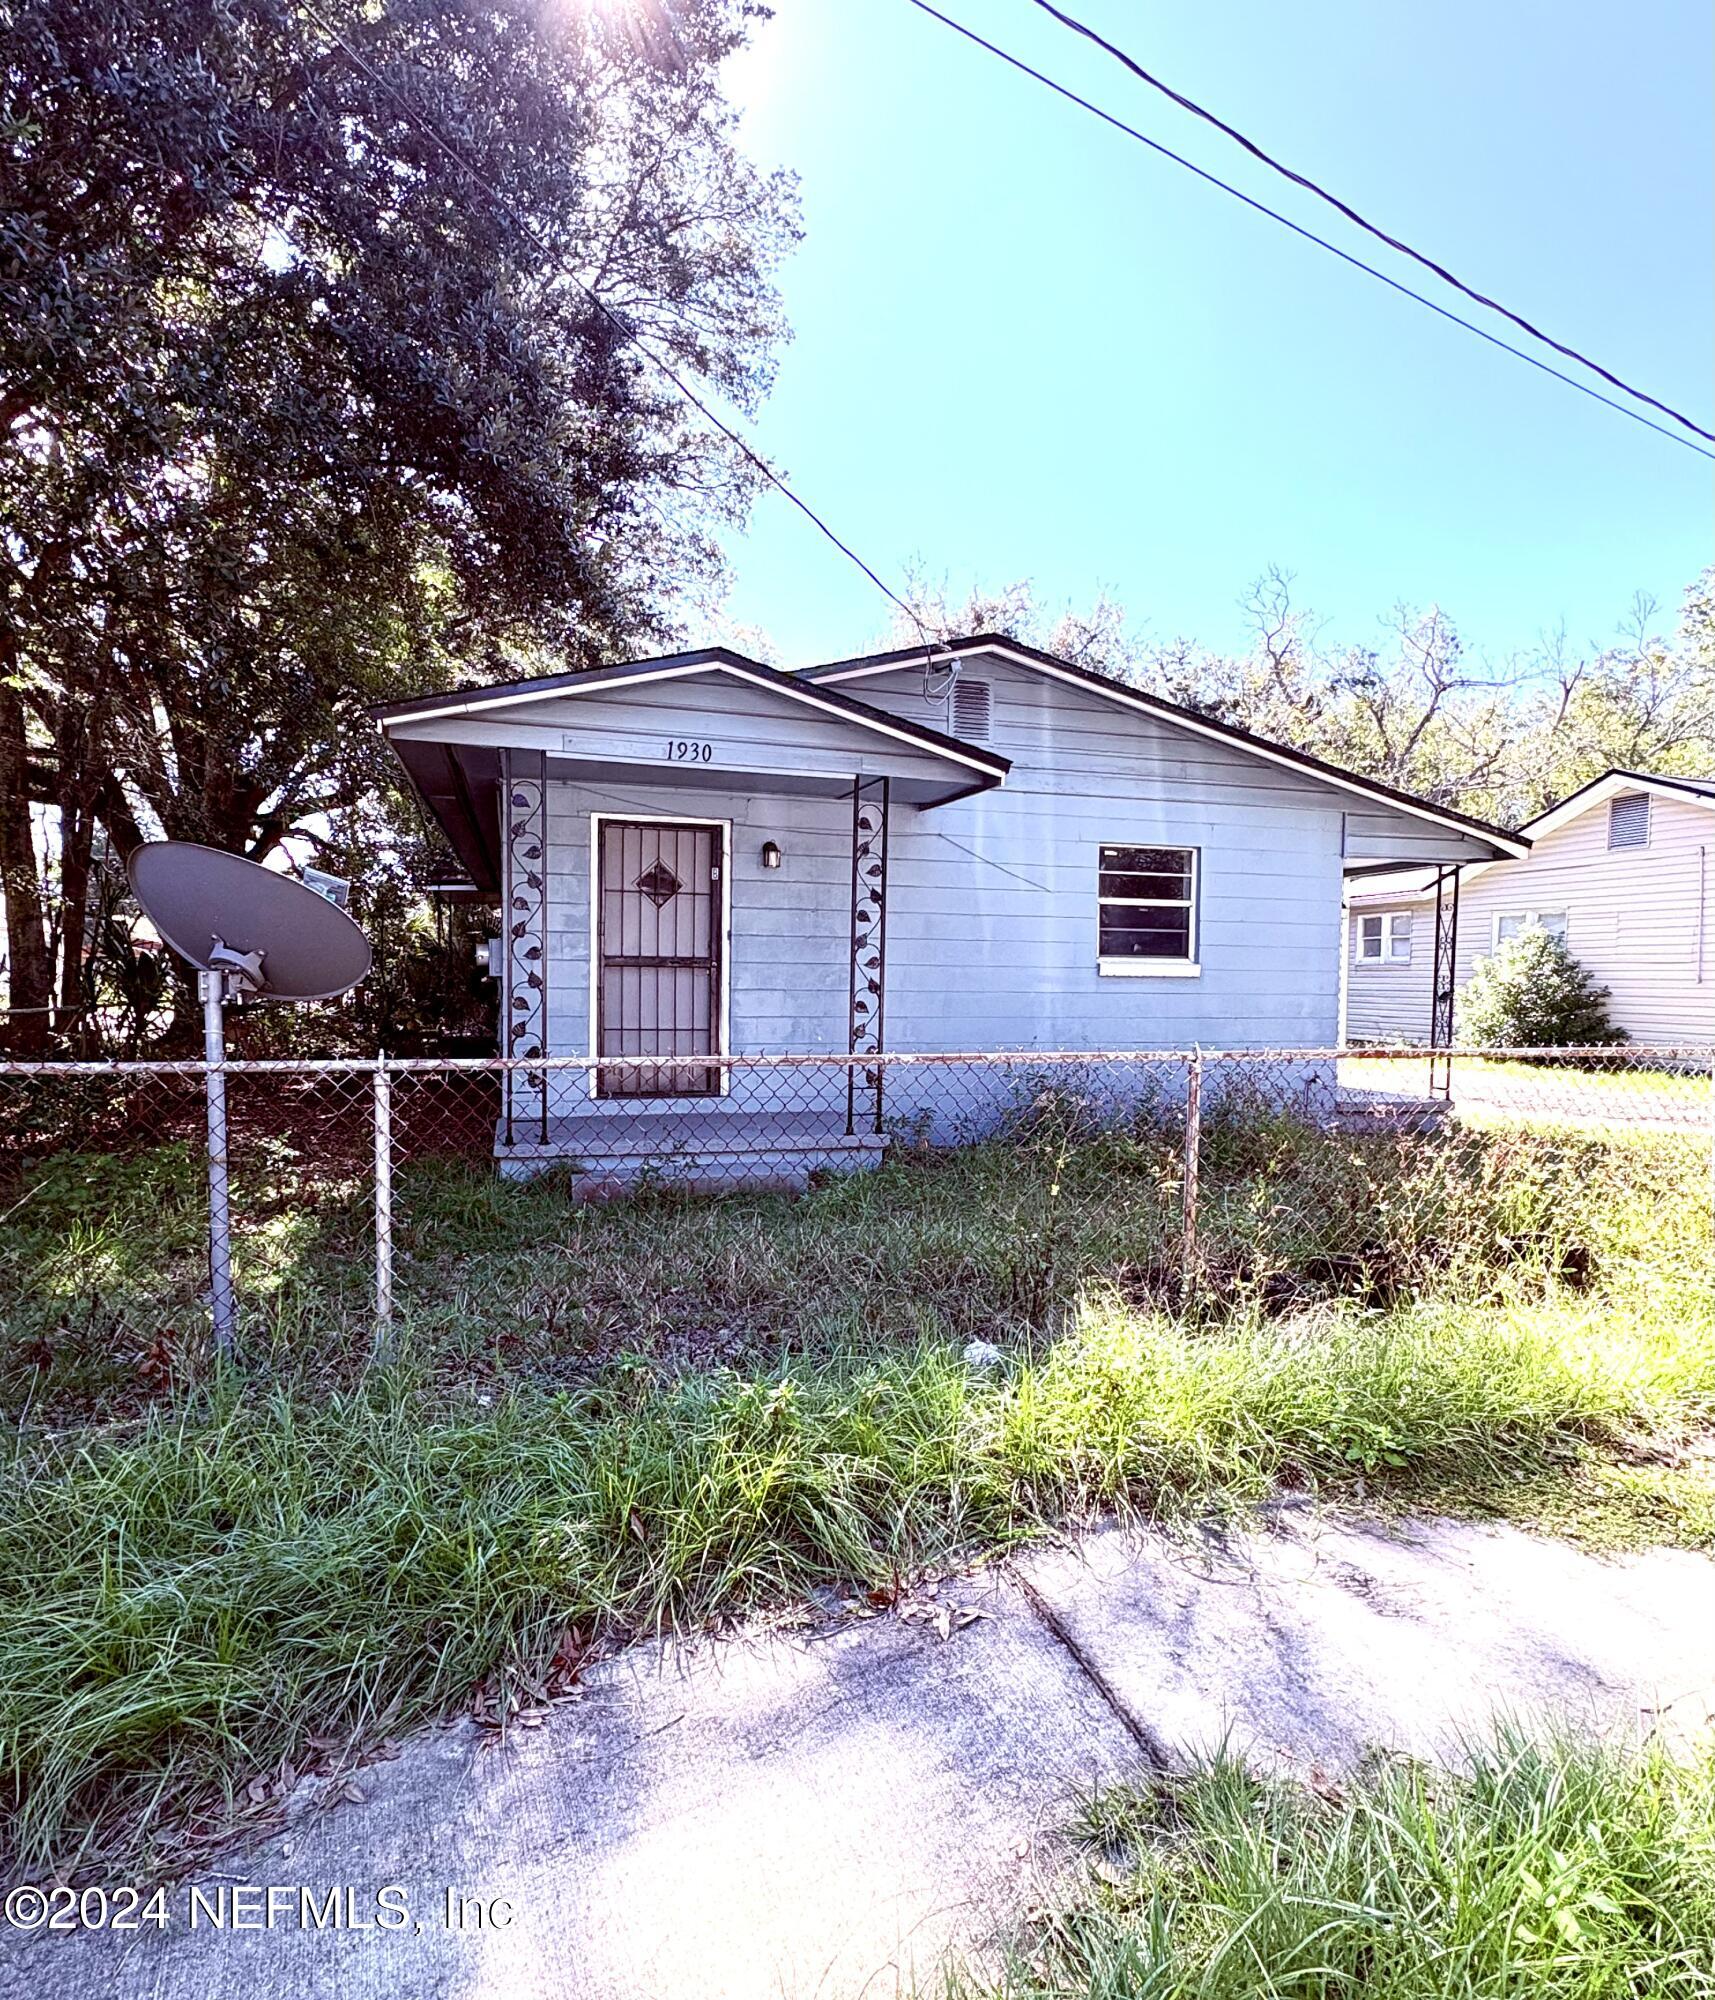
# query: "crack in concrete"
1154,1750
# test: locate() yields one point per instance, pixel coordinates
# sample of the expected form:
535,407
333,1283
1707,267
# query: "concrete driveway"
835,1810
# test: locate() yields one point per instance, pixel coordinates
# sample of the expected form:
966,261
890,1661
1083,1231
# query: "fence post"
383,1206
223,1302
1188,1198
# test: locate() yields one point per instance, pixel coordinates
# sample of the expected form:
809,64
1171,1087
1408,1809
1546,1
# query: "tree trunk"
29,968
77,843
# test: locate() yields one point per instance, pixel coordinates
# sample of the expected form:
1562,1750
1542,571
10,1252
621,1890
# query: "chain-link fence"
482,1199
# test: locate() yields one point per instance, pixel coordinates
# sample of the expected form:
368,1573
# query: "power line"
628,332
1351,214
1298,229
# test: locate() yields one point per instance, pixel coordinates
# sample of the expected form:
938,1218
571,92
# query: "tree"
1532,993
1415,710
296,412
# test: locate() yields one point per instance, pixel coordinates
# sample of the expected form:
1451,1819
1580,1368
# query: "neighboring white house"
978,847
1623,870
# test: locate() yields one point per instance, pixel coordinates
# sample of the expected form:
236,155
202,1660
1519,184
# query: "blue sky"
1023,346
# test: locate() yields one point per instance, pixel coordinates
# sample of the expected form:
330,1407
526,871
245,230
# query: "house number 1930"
685,750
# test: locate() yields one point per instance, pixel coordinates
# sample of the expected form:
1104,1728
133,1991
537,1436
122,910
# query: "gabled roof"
986,766
1411,885
1185,718
1614,781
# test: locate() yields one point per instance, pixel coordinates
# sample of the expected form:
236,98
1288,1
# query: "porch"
681,1148
691,865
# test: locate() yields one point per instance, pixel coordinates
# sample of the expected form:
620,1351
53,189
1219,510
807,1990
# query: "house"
1621,869
970,847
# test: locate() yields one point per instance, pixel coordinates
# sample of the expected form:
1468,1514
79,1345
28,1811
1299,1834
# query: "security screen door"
658,949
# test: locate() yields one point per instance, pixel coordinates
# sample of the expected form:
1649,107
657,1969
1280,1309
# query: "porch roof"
452,745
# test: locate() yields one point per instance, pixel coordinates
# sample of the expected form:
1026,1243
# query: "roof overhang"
454,760
1502,844
1611,785
1383,885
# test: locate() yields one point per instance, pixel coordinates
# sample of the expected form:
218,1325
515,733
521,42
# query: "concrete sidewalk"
834,1811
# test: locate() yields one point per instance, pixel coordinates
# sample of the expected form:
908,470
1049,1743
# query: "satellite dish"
247,930
272,936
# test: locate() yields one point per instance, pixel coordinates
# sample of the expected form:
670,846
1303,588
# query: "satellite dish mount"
251,933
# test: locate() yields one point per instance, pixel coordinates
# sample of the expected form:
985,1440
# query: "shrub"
1532,993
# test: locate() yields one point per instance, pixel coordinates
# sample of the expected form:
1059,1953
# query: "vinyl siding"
1641,919
1387,1001
746,728
992,900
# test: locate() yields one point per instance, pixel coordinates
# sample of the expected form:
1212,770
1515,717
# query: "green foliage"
297,417
184,1601
670,1407
1561,1868
1531,993
1410,707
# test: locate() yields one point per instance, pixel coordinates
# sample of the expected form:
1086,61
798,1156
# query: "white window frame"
1189,967
1525,919
1386,956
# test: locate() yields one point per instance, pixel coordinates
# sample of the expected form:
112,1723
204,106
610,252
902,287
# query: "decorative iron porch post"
1444,982
524,824
869,950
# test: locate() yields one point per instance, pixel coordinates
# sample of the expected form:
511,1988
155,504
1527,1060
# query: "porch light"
770,854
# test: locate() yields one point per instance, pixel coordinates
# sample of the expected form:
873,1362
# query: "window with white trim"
1384,938
1508,923
1146,909
1628,820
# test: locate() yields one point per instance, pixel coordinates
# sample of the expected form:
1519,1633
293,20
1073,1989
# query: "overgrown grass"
1563,1870
186,1602
669,1408
497,1281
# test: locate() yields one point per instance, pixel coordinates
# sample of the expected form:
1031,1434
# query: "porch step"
685,1149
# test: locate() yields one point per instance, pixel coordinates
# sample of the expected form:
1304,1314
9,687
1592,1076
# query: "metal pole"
1443,982
383,1206
1188,1198
212,986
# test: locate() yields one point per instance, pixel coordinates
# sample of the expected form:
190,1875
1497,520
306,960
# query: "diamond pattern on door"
659,884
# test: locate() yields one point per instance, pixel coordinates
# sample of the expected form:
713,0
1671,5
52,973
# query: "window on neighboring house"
1146,909
1628,820
1384,938
1508,923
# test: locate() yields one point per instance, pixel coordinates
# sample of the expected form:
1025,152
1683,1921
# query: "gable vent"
1628,820
972,710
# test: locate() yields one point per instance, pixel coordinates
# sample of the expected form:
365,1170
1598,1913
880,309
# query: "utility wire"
1351,214
630,334
1298,229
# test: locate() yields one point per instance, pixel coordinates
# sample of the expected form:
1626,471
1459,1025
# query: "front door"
658,955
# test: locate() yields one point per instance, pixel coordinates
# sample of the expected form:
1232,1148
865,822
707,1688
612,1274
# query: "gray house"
975,847
1621,869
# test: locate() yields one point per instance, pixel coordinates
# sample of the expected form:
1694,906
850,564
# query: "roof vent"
1628,820
972,710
